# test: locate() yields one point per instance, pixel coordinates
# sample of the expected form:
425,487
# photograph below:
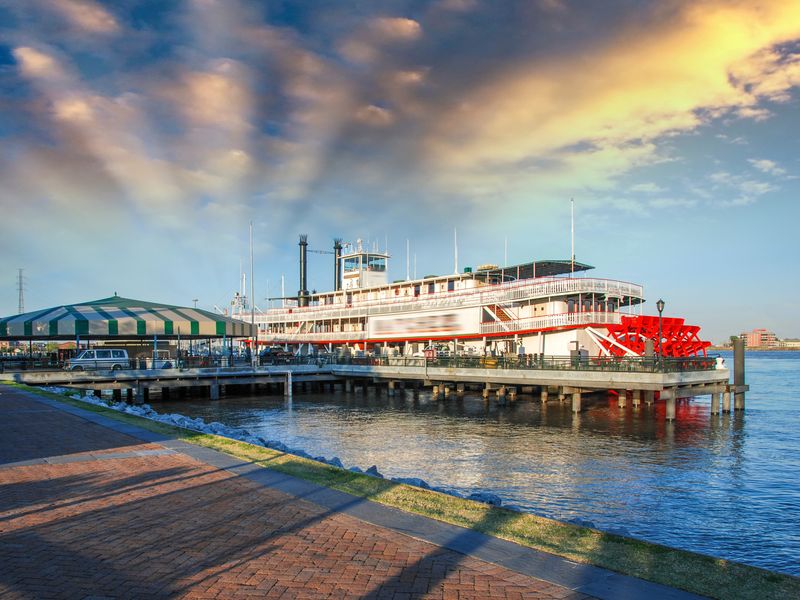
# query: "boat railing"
494,294
552,321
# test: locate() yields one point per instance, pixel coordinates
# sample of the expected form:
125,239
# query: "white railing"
350,336
494,294
551,321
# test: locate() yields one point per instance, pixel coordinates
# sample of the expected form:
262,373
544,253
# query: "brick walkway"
109,516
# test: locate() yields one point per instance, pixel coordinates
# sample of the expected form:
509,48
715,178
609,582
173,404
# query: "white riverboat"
547,307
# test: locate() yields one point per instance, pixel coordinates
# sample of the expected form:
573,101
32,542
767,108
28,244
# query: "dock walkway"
94,508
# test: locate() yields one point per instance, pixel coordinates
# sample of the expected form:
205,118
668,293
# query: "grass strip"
697,573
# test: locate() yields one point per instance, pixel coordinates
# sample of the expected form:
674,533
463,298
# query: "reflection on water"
726,486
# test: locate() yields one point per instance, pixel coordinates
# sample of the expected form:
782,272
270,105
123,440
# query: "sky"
139,138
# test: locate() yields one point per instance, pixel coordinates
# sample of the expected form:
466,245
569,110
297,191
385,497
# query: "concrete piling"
213,391
543,395
670,408
715,403
622,398
390,388
638,397
576,402
460,390
726,402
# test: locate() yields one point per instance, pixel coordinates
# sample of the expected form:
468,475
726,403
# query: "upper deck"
415,295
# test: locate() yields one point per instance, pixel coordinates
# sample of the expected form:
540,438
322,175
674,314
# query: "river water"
728,486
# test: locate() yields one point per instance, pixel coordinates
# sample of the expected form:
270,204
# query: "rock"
355,470
415,481
373,470
335,462
582,523
486,498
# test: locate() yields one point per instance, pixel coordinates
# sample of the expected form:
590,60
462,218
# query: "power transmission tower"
21,289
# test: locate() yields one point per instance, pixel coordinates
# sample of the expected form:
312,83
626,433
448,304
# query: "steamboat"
545,307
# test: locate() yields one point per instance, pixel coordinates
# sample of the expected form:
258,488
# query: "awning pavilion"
121,318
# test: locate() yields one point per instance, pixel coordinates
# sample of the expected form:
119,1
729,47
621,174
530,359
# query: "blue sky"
139,138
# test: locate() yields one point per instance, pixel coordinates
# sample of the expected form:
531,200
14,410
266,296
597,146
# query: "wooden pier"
640,380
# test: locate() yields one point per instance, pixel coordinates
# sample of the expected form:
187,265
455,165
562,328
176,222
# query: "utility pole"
20,287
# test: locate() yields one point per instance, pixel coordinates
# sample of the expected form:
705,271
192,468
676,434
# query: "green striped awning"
118,317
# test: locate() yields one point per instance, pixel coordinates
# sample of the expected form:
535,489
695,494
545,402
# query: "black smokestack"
337,264
302,295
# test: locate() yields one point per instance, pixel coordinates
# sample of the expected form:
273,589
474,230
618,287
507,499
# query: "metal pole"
660,307
254,349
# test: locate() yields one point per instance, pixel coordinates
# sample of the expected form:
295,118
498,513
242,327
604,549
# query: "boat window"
416,290
431,288
376,263
351,263
451,285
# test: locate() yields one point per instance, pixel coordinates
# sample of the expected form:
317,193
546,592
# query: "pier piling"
576,402
715,403
670,408
726,402
543,396
738,374
390,388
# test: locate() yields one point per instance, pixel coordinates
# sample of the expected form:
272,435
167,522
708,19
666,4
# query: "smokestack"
302,294
337,264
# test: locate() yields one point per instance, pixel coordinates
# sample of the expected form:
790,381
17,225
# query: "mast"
408,259
572,235
21,306
455,251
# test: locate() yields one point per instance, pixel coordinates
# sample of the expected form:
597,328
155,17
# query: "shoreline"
668,566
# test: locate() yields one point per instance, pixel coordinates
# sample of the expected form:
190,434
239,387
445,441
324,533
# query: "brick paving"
165,525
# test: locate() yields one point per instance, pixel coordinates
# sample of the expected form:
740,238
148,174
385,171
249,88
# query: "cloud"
767,166
86,15
368,43
738,189
34,63
661,73
647,188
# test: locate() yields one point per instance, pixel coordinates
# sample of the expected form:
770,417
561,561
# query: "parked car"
275,355
100,358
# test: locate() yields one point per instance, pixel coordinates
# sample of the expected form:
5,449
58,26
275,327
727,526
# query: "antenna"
572,234
21,288
408,259
415,265
455,251
505,252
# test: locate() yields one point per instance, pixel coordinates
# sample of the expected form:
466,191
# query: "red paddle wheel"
679,339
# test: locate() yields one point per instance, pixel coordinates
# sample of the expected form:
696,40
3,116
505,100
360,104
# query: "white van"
100,358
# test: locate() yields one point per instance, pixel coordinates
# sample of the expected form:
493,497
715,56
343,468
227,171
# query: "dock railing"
629,364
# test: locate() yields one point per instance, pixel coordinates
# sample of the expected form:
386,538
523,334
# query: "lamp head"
660,306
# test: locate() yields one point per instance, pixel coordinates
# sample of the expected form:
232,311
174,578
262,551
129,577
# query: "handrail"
628,364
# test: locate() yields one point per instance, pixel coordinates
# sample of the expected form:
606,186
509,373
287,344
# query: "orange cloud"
652,79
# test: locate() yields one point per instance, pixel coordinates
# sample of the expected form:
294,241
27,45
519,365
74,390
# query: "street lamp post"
660,307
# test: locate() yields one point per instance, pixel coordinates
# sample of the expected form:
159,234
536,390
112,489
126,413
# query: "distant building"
759,338
790,344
